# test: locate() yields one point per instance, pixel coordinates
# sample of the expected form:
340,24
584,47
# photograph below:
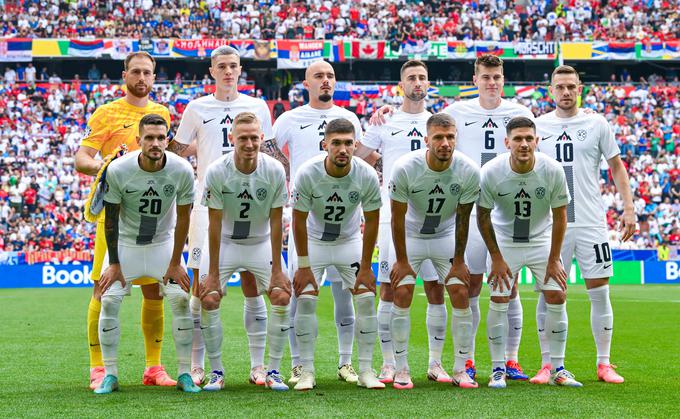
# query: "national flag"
469,91
245,48
78,48
460,49
298,54
337,52
489,48
368,50
16,49
196,47
621,50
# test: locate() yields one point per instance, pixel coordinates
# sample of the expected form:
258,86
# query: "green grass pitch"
44,366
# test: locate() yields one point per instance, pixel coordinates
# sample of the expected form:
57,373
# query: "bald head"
320,83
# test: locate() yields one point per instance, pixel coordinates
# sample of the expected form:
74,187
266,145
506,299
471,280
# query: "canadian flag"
368,49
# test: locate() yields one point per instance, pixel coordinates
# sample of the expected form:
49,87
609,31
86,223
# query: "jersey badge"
261,194
540,192
506,120
353,197
227,120
168,190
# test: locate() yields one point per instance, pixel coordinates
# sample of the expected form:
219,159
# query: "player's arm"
271,148
402,267
212,281
555,270
181,149
86,162
365,275
303,277
113,273
368,154
500,271
278,279
175,270
458,268
622,183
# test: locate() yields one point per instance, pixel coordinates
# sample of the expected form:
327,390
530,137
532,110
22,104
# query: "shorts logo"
384,267
196,253
261,194
540,192
353,197
168,190
455,189
581,135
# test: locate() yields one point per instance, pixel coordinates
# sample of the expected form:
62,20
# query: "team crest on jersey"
581,135
353,197
196,254
540,192
506,120
489,124
436,190
261,194
522,194
414,133
168,190
384,267
564,137
455,189
227,120
150,192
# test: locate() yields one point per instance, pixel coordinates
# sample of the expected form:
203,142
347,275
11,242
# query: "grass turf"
44,370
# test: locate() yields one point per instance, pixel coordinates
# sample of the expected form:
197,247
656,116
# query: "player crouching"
245,192
144,190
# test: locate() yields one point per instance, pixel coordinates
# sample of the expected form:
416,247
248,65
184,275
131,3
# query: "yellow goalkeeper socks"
93,310
152,327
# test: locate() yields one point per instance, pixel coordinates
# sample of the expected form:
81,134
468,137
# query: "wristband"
303,262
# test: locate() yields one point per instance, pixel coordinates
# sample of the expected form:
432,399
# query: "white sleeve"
560,193
279,131
398,186
279,182
187,127
358,131
303,199
185,194
372,138
470,192
266,118
607,142
113,194
212,190
486,190
371,200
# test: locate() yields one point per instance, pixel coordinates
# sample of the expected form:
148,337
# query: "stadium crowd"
394,20
42,196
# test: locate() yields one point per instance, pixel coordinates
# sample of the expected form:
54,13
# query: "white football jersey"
245,199
209,120
522,203
402,133
433,197
578,144
481,132
303,128
148,199
334,204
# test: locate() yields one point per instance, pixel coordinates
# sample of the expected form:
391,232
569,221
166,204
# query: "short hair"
440,119
223,50
142,54
565,69
488,60
152,119
410,64
339,126
519,122
245,118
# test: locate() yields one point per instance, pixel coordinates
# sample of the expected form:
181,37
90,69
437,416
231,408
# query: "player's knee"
386,292
500,299
459,296
434,292
96,291
403,296
279,297
475,288
152,292
211,302
555,297
111,305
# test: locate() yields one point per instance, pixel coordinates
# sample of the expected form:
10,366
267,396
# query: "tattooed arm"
113,273
182,150
272,149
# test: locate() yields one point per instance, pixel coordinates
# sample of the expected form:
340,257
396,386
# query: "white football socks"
556,326
435,321
198,346
497,331
401,329
384,318
305,330
211,326
109,332
541,311
182,330
255,322
277,330
461,331
344,322
601,321
515,321
367,329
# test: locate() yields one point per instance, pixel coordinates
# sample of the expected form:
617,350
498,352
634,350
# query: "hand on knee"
279,297
211,302
403,296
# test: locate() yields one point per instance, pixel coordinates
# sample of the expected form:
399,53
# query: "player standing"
429,189
111,125
579,140
208,121
330,193
528,194
402,133
245,192
148,199
481,128
302,130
